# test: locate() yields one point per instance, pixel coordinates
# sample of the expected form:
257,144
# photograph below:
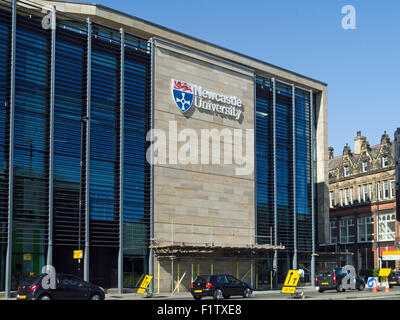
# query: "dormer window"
385,161
346,171
364,166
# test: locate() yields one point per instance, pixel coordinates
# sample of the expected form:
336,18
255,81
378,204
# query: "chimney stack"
358,141
330,153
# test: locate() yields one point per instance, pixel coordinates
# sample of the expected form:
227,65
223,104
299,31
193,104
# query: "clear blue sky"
361,67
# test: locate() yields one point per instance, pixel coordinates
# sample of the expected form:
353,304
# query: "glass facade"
5,25
100,174
31,149
72,125
283,164
70,99
303,147
264,161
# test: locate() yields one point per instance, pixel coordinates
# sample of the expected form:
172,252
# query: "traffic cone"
387,289
376,287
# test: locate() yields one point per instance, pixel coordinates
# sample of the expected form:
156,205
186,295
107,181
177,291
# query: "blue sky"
361,67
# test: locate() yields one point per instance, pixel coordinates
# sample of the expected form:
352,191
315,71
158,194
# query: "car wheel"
320,291
340,288
226,297
44,297
218,294
247,293
95,296
361,287
197,298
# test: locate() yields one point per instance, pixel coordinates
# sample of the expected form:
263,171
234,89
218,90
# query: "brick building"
361,193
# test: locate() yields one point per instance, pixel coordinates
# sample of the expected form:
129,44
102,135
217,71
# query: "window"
386,189
364,166
346,171
347,230
332,199
378,190
365,193
68,281
346,197
365,229
385,161
386,227
370,191
359,194
351,195
343,231
222,279
232,279
341,198
392,189
351,231
332,232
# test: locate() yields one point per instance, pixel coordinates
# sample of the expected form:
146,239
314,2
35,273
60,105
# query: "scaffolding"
179,262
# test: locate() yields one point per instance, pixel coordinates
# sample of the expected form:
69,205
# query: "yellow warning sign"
78,254
384,272
145,283
141,290
27,256
292,279
290,290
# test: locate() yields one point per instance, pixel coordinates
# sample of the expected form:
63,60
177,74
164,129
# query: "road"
309,293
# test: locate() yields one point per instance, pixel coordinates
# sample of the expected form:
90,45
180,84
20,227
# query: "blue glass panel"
31,137
264,161
136,169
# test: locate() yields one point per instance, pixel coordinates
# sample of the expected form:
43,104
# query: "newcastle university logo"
187,95
183,94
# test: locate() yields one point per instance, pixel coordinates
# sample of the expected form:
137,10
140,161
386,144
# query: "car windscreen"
34,279
342,271
202,279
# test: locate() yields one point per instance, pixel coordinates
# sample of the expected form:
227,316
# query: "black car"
219,286
64,287
394,279
332,280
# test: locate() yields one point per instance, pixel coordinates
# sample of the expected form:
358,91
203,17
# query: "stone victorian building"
361,193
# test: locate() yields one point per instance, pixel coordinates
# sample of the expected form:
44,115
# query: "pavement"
309,294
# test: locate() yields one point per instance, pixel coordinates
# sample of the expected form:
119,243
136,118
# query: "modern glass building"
284,206
79,92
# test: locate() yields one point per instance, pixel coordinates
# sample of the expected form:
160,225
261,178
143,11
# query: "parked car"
394,279
67,287
219,286
332,280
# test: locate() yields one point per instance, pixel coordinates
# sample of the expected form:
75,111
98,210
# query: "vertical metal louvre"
137,169
303,169
72,163
30,224
104,143
284,158
70,99
264,160
5,56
